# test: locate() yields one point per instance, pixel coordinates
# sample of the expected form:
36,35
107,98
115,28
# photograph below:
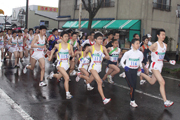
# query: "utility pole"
80,13
5,20
27,5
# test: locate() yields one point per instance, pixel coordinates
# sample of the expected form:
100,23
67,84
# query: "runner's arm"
152,47
9,42
141,59
71,53
52,51
106,53
78,53
123,59
87,50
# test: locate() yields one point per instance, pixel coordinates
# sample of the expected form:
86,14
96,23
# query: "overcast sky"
8,5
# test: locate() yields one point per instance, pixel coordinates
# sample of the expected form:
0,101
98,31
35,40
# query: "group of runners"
83,56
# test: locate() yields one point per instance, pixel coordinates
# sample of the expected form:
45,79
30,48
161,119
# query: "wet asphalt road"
49,103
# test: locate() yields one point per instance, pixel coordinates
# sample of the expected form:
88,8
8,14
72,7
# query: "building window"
162,5
106,3
178,11
43,22
154,35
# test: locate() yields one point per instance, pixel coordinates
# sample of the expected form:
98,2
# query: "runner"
54,40
95,67
38,44
21,40
7,46
158,50
73,62
2,45
145,50
109,39
115,54
89,41
28,42
83,67
64,52
133,60
13,42
36,31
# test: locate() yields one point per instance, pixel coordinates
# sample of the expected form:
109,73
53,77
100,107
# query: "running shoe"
2,60
110,80
73,73
25,69
21,60
78,77
68,96
106,100
41,84
15,66
89,88
123,75
133,104
18,66
142,82
85,81
139,72
50,75
168,103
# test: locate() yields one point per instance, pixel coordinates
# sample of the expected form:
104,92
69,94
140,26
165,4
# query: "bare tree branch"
85,6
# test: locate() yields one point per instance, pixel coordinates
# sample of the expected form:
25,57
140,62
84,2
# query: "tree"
92,9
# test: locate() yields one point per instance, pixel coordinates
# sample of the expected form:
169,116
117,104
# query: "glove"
172,62
126,68
142,70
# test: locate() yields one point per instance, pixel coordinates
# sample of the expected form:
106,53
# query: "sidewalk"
6,112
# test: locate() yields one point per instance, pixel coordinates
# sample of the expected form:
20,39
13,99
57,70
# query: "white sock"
67,93
88,85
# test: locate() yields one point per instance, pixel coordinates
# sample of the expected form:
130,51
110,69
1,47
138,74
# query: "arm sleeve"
166,57
141,59
125,56
85,42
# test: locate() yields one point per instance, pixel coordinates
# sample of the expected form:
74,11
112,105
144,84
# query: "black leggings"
131,78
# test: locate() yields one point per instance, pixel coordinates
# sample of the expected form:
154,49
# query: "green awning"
96,24
68,24
124,24
100,24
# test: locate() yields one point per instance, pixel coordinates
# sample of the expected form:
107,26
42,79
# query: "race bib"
161,56
97,58
20,44
1,42
63,56
133,62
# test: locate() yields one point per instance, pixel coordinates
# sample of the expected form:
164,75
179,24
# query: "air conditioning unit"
178,13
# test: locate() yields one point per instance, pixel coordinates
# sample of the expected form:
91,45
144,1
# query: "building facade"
153,14
37,15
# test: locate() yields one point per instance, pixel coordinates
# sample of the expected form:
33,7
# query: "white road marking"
15,106
138,91
172,78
